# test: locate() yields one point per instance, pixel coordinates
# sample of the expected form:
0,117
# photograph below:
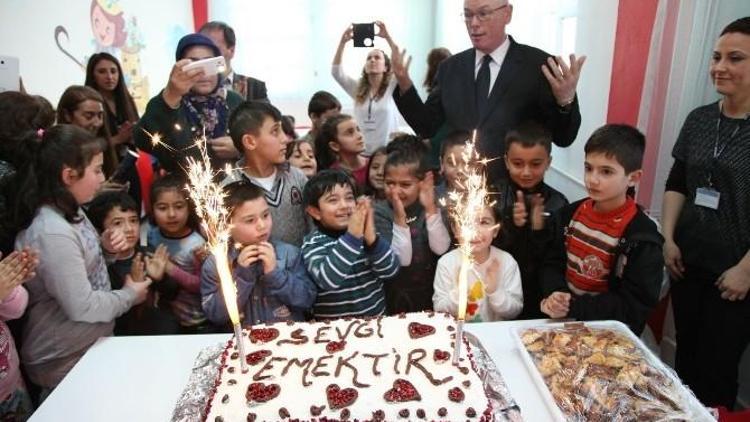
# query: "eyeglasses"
483,15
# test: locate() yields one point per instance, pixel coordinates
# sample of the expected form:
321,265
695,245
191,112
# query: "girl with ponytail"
71,303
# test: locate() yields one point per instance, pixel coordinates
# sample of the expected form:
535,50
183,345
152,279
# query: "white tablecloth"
140,378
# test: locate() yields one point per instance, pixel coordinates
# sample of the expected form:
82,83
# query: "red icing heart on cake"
335,346
338,398
260,392
257,357
456,394
263,335
402,391
440,356
417,330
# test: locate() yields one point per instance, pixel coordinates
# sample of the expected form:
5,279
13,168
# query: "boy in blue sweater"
272,283
347,260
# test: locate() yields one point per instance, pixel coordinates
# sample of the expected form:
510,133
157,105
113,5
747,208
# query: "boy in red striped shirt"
604,256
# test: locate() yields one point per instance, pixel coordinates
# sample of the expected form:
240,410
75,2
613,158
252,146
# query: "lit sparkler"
156,140
466,205
208,197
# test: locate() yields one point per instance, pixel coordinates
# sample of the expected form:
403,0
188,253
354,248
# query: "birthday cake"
377,369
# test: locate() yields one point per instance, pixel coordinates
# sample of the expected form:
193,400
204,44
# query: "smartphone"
364,34
9,76
210,66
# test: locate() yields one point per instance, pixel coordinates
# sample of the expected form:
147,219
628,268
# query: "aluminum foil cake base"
192,402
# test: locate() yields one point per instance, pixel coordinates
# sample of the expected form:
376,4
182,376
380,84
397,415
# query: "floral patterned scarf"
209,113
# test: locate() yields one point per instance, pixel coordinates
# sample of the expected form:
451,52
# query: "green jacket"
176,133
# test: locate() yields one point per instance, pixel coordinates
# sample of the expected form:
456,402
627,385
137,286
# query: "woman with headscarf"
191,105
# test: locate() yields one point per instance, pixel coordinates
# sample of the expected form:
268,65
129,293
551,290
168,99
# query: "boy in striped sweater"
605,256
346,259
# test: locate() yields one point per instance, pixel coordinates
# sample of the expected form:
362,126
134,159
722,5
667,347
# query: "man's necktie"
482,86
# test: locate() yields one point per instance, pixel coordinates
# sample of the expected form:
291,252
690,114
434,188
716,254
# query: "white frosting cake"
386,368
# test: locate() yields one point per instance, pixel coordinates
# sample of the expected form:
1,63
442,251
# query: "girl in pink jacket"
15,403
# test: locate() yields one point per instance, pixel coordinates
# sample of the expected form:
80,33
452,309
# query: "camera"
364,34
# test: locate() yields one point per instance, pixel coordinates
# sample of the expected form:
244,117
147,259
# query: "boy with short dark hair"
605,256
272,283
322,105
256,131
451,159
116,210
345,257
525,200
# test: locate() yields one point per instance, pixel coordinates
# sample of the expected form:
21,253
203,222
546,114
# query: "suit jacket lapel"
468,91
505,77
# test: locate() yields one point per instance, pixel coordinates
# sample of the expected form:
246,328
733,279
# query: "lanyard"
718,150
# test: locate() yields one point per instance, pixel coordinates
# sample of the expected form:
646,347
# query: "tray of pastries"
600,371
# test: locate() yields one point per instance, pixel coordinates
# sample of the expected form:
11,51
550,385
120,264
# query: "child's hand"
370,234
537,212
267,256
21,264
427,194
556,305
492,280
138,268
140,288
156,265
399,212
357,220
248,256
15,269
114,241
519,210
200,253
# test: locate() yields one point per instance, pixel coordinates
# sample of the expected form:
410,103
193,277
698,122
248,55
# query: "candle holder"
240,347
459,339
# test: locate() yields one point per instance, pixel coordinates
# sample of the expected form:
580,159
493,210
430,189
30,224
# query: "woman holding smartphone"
192,104
374,109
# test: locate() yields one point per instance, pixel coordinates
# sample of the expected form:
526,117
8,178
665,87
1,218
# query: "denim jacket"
283,294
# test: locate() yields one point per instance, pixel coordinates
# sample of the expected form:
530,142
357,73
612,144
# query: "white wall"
290,43
27,31
595,37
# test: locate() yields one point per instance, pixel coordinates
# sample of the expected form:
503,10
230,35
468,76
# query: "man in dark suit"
493,87
223,36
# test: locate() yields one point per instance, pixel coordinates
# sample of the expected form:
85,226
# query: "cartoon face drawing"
107,24
103,28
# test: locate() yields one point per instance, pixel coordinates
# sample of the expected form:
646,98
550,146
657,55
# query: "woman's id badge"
707,197
369,125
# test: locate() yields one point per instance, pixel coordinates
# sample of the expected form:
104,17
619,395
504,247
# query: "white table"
140,378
